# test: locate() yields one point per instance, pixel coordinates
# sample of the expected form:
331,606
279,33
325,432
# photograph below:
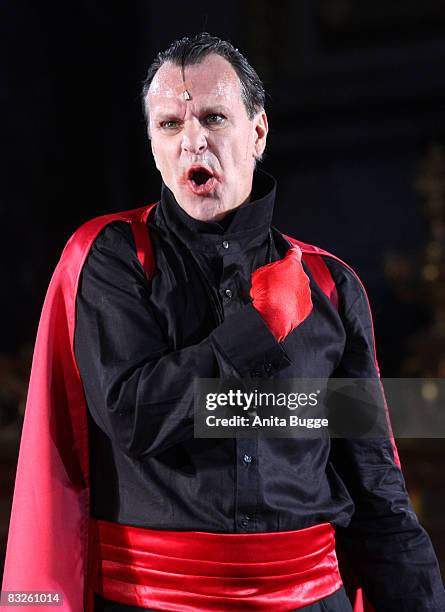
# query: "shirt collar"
250,221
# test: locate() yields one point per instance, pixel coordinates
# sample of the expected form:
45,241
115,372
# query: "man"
183,523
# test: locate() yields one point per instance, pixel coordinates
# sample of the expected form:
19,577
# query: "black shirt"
139,345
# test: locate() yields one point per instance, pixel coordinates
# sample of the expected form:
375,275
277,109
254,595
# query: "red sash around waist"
190,571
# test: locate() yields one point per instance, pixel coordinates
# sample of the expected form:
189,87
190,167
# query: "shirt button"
247,458
225,244
228,293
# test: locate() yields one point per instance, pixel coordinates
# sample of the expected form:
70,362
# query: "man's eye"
215,119
171,124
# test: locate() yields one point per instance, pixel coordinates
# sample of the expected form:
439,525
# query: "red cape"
48,539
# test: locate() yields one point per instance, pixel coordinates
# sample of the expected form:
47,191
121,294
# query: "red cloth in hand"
281,294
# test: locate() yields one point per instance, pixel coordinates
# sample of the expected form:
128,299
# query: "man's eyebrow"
163,115
214,108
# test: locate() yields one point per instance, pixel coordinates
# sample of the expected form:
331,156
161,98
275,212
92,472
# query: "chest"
193,293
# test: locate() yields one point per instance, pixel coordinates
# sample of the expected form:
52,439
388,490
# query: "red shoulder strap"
144,248
319,270
322,276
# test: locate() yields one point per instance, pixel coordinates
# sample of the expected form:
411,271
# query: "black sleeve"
390,551
138,391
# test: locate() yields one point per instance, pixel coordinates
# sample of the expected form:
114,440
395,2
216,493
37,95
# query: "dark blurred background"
356,106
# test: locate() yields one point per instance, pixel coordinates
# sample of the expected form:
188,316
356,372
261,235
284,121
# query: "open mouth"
200,180
199,175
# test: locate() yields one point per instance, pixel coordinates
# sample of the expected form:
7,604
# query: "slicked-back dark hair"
193,50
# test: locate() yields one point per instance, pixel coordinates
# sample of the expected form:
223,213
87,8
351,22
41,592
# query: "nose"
194,140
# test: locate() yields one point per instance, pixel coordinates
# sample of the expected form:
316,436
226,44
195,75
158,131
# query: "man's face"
205,147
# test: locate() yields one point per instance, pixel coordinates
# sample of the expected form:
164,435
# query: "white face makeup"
204,147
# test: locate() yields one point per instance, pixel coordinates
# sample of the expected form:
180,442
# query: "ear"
261,127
